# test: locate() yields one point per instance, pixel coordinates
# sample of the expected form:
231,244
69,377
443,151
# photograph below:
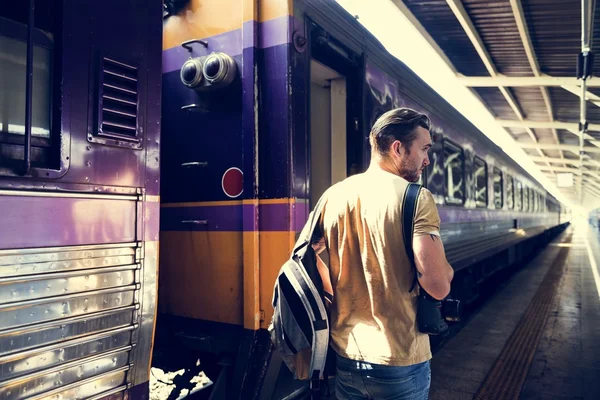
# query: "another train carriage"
244,159
79,207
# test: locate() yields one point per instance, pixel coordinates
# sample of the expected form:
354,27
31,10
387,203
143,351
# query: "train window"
519,197
498,183
454,167
531,200
510,192
480,180
13,87
525,199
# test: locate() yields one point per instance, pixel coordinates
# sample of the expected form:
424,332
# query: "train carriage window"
531,200
526,199
510,192
480,180
519,197
498,184
13,93
454,169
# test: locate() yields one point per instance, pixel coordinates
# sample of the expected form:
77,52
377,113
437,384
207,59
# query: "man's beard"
409,171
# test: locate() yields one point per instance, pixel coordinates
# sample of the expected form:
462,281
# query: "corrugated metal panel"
555,32
555,29
532,104
566,106
567,137
496,103
437,18
517,132
495,23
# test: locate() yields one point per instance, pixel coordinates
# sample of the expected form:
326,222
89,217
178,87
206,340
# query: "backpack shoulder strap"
312,224
409,208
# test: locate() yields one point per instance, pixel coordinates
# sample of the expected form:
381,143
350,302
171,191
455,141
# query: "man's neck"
379,163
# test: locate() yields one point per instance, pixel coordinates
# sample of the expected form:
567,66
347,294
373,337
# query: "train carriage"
213,151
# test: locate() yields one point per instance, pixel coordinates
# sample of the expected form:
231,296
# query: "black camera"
432,314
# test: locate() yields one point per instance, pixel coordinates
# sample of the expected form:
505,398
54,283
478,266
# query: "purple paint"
53,222
275,32
381,82
275,131
250,34
236,217
151,220
460,214
270,33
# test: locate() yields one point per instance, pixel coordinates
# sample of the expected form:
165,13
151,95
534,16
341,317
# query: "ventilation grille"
119,101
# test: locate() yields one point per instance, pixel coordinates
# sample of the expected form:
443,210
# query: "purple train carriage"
253,110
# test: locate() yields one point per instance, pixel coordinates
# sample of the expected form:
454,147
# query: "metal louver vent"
118,103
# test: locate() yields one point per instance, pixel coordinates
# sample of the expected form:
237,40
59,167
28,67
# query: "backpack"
299,328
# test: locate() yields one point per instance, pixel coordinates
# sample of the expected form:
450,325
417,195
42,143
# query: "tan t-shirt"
373,316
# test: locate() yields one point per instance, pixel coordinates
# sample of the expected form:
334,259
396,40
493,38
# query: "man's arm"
433,270
435,274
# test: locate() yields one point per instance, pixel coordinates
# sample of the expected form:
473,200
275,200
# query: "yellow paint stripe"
152,199
234,202
271,9
203,204
251,273
202,19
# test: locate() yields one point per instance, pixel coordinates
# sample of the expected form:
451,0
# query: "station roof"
519,58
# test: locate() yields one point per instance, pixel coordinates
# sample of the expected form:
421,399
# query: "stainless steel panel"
57,261
69,320
115,394
480,230
143,351
38,286
87,388
41,310
37,268
34,360
18,340
53,253
67,195
37,384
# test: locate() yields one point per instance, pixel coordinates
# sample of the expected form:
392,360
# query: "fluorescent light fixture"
404,41
564,179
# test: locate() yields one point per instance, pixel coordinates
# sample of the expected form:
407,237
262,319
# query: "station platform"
536,338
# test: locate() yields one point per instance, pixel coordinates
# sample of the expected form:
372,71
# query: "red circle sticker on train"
233,182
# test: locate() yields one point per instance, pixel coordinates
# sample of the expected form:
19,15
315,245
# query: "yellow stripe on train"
202,19
210,276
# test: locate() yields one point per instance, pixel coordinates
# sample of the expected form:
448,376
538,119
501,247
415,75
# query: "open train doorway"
328,148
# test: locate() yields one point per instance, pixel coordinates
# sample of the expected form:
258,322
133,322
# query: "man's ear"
398,148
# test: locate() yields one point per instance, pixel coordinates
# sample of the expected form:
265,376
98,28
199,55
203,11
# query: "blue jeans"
357,380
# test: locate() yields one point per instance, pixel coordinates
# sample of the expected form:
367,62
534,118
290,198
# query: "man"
380,352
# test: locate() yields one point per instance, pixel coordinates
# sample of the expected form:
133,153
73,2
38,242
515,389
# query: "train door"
335,106
327,129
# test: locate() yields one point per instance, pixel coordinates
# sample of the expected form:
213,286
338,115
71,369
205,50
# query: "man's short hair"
397,124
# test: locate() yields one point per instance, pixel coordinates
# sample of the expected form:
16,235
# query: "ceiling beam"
508,123
552,146
575,171
517,9
465,21
589,96
593,185
417,24
571,161
523,81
